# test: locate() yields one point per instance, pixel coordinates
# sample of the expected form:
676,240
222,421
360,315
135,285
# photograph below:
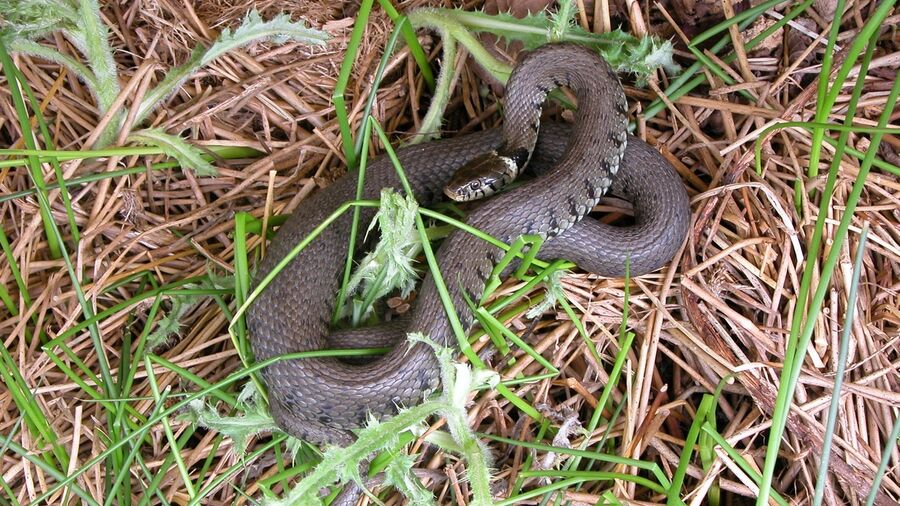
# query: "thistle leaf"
240,429
279,30
399,475
33,19
623,51
187,155
390,265
182,303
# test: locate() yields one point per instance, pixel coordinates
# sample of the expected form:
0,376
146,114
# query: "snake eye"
476,184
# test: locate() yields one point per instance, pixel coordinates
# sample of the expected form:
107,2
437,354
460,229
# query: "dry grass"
723,307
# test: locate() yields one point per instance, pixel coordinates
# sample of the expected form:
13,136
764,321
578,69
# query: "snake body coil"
320,400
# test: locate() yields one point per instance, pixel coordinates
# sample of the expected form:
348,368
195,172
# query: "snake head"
484,176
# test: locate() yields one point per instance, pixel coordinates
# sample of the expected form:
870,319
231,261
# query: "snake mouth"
454,194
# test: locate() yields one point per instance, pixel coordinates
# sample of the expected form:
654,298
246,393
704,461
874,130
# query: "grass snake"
321,400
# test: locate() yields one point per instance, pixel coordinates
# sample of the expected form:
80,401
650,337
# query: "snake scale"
321,400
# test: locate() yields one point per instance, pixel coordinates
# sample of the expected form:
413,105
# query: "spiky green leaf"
33,19
187,155
255,420
279,30
390,265
625,52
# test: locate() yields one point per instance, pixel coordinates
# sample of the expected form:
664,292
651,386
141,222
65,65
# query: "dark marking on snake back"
553,224
520,157
590,188
605,166
574,204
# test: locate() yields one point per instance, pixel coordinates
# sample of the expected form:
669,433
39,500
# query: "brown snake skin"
321,400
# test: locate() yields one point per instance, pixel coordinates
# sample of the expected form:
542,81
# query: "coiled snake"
321,400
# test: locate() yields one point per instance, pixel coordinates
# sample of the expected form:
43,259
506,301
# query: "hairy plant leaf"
187,155
279,30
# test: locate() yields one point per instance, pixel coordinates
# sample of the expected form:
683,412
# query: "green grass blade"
340,88
791,372
50,470
364,130
16,273
889,446
813,126
36,172
167,429
35,421
707,404
824,110
48,140
710,431
841,366
689,79
650,467
412,41
354,224
722,26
